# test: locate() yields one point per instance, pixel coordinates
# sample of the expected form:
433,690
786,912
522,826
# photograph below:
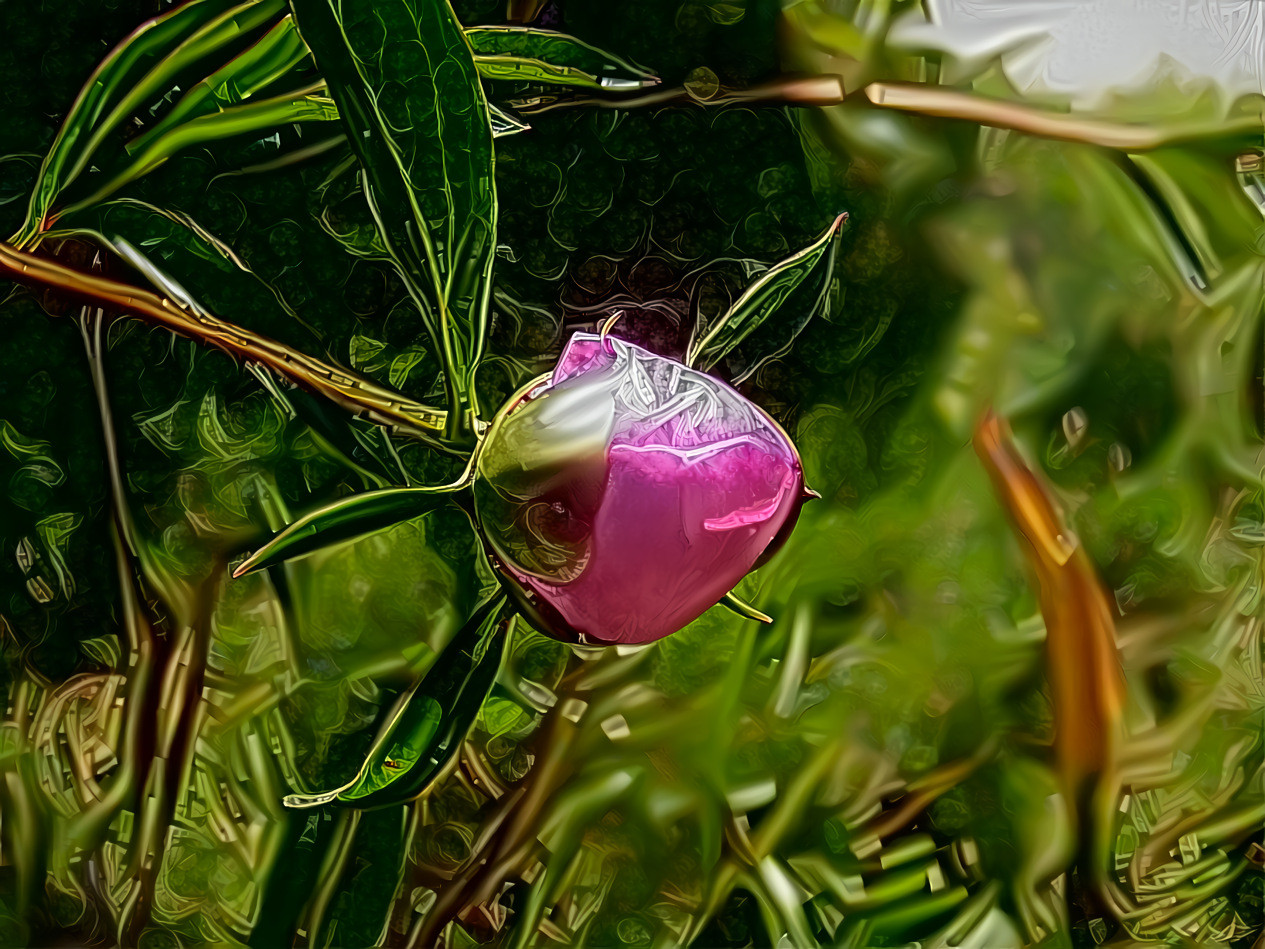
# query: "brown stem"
923,99
180,715
998,113
795,90
359,396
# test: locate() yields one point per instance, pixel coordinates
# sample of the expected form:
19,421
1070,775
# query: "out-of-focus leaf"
1087,684
345,519
532,55
404,79
764,298
141,67
430,720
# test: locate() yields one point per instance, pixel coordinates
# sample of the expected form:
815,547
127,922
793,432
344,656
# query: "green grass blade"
764,298
405,82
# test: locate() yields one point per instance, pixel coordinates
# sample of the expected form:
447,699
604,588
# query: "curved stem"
924,99
359,396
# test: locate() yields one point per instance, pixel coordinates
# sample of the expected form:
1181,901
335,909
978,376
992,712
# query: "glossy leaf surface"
533,55
762,301
346,519
404,79
431,719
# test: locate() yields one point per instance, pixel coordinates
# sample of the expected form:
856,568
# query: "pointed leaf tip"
347,519
767,297
731,601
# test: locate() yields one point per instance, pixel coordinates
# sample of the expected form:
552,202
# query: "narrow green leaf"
518,69
182,243
279,52
246,119
405,82
731,601
524,53
126,65
430,721
765,297
348,518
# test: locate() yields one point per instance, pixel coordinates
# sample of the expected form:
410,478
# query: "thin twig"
924,99
998,113
811,90
359,396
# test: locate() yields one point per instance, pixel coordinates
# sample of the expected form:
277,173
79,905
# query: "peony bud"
626,493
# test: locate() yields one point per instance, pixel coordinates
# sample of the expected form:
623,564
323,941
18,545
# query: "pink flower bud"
625,494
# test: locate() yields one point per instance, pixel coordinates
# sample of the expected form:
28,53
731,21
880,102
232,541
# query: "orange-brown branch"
359,396
1086,681
940,102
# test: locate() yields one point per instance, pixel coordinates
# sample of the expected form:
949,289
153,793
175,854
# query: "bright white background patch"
1085,49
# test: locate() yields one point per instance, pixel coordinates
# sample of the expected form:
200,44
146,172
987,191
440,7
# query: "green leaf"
184,245
118,72
104,650
248,118
405,82
503,123
531,55
144,66
278,53
431,719
517,69
346,519
764,298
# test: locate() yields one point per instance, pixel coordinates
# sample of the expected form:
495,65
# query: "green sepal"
762,300
431,720
343,520
731,601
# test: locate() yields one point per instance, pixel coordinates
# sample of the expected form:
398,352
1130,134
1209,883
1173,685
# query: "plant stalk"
359,396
